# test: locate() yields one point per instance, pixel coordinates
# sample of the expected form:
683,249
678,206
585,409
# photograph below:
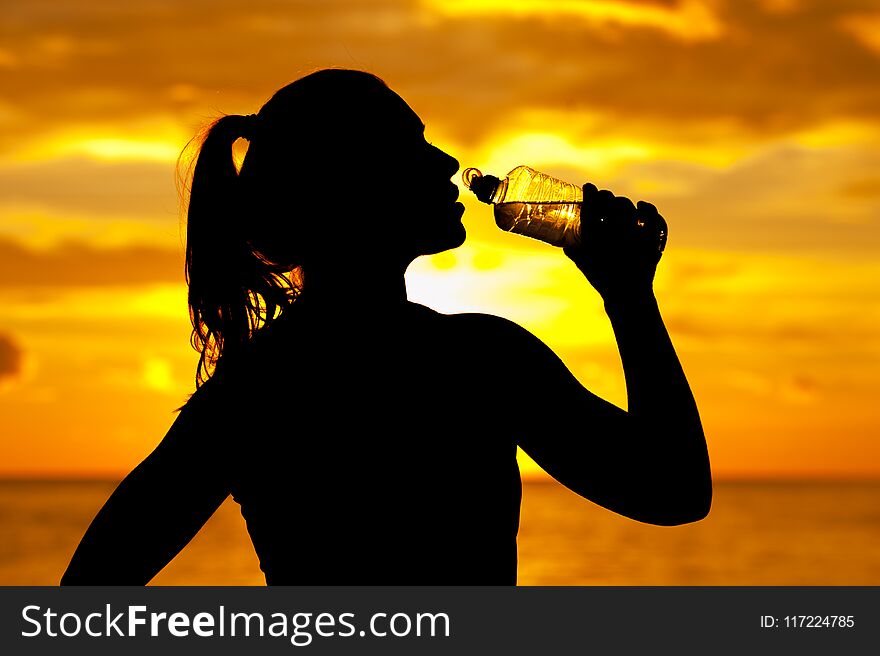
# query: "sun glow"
689,20
759,148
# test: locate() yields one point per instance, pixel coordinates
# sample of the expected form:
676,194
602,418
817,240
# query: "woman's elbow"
666,509
684,509
680,516
682,491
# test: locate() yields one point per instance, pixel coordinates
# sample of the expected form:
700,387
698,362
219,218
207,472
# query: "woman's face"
408,180
360,179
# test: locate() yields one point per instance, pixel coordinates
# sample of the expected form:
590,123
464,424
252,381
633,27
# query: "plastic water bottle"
531,203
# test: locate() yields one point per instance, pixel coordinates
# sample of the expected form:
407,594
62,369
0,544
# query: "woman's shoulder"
491,325
490,331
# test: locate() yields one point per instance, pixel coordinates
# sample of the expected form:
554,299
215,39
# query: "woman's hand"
621,244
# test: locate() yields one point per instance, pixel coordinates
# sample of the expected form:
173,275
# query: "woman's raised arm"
160,506
649,463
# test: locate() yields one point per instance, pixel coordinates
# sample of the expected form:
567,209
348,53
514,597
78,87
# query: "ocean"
758,533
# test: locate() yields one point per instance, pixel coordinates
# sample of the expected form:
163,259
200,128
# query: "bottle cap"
483,186
469,175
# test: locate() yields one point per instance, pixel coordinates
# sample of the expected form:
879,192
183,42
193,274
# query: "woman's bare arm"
160,506
649,463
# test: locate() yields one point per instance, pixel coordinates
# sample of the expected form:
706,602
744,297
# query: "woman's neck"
366,288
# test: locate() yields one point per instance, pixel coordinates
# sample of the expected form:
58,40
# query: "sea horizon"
771,532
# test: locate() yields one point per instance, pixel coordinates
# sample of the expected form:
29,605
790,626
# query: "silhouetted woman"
369,439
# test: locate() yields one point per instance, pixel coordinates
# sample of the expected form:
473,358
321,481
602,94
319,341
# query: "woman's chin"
453,237
457,235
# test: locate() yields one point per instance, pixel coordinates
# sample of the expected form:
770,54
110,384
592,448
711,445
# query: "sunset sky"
753,125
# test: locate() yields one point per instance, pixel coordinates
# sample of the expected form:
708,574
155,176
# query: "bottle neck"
500,191
486,188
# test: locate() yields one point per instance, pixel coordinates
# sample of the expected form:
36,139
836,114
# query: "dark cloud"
75,264
10,357
767,72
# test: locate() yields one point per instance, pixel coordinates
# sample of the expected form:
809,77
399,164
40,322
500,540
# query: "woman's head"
345,160
337,172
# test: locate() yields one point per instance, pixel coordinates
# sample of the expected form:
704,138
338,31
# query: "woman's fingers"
600,208
604,203
646,208
621,242
624,206
654,226
604,211
663,233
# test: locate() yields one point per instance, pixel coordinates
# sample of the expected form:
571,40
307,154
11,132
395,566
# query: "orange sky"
753,125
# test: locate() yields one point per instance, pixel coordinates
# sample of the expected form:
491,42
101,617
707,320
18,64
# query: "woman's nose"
449,162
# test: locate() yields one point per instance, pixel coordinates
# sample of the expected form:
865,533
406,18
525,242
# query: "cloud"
73,264
865,28
765,72
689,20
83,186
780,313
11,357
785,198
755,130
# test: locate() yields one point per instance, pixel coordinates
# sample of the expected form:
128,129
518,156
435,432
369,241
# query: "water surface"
769,533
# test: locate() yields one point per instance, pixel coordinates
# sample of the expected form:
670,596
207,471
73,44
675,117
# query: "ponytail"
233,289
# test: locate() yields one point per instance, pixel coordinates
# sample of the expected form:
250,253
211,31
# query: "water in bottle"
531,203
